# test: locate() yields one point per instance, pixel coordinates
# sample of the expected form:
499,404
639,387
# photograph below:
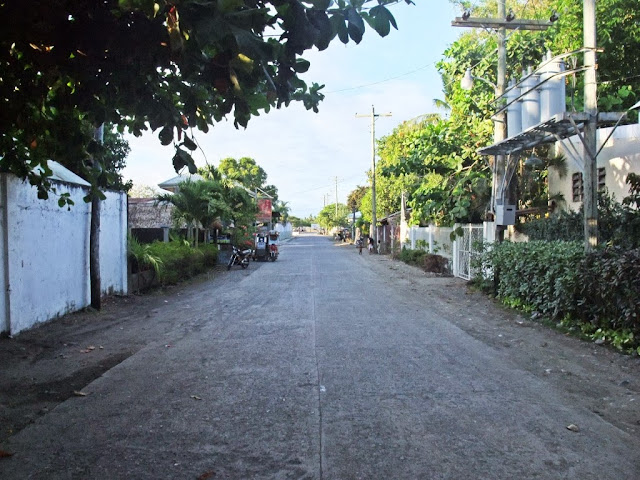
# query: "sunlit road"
317,367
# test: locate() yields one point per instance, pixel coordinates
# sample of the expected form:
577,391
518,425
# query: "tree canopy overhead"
167,65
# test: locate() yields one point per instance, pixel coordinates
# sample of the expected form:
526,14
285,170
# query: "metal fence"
466,249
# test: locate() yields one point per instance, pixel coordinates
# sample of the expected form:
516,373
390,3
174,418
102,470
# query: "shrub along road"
323,365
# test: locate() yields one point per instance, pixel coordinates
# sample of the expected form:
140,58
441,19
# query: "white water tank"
530,100
553,91
514,110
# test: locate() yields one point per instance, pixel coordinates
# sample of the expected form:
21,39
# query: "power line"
382,81
345,180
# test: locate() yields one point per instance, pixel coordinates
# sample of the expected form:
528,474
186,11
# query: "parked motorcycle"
239,257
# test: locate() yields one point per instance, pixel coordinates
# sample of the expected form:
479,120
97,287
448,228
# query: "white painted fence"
461,251
44,252
433,240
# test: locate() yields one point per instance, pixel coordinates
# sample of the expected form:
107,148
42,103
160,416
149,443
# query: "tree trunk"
94,252
94,236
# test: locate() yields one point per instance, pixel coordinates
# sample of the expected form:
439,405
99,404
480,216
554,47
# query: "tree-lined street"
327,365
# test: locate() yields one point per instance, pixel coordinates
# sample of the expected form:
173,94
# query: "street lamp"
466,83
533,162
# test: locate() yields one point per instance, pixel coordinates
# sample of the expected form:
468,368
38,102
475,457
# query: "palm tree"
198,203
283,209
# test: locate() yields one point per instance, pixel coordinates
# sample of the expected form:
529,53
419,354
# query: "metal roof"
495,23
177,180
558,127
62,174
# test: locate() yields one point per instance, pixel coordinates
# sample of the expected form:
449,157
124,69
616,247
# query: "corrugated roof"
177,180
63,174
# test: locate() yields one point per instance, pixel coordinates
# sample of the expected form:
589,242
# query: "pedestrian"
371,244
359,245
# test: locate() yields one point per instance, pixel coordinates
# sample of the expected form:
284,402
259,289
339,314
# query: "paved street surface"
322,366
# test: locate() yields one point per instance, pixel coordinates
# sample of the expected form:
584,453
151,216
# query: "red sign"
264,210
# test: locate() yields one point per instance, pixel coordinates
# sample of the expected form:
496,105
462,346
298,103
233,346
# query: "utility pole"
590,182
500,125
501,24
336,198
373,115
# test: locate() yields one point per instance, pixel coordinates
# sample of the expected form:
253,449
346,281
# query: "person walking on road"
370,245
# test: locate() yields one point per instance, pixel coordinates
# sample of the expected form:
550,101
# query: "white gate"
465,250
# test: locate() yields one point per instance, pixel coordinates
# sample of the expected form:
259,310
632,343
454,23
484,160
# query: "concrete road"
318,367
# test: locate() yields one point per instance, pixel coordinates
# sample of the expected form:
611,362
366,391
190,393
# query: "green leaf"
190,144
381,20
339,25
324,30
356,25
182,159
320,4
229,5
166,135
301,65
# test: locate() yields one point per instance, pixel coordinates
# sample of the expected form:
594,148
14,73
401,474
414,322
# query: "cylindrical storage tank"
514,110
553,91
530,100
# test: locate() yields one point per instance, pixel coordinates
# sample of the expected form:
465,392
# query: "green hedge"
181,261
429,262
618,223
598,292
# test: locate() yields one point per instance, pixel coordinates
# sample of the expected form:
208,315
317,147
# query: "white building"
619,156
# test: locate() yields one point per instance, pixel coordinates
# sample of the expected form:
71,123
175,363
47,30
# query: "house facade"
619,156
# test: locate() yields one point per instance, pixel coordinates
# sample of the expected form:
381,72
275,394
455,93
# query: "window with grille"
577,187
577,184
601,179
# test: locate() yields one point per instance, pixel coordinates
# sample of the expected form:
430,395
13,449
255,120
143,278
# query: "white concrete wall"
437,238
285,231
620,155
113,244
45,267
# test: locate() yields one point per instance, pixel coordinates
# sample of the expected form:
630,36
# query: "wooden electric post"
373,115
590,181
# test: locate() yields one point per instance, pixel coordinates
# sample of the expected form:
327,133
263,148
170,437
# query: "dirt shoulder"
45,366
599,379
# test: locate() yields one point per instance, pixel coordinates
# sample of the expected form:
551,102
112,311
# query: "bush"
609,290
618,223
141,257
428,262
537,275
597,292
412,257
181,261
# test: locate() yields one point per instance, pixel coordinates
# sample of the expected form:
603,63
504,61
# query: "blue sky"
301,151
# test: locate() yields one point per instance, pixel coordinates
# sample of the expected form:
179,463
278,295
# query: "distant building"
147,213
173,184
